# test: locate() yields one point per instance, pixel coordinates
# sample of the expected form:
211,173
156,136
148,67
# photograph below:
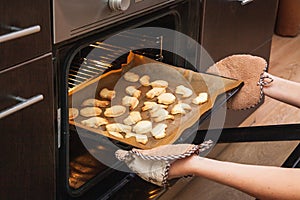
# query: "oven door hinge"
58,127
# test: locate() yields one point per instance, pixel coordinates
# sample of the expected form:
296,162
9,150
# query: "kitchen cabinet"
230,27
29,22
27,122
27,135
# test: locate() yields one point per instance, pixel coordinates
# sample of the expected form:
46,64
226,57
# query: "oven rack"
101,57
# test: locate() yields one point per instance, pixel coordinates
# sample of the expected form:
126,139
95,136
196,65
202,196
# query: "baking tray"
141,65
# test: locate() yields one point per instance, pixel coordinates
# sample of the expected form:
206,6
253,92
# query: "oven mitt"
248,69
153,165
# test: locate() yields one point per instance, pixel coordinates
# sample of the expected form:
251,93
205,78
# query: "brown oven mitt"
153,165
248,69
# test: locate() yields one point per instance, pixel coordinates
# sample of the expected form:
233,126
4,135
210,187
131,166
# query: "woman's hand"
283,90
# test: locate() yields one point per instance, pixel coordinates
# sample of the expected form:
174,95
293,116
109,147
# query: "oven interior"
85,167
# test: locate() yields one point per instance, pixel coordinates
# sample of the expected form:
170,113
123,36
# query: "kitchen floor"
285,63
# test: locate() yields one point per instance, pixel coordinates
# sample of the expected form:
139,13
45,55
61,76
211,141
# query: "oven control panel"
76,17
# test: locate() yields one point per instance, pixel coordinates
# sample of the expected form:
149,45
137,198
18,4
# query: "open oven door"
287,132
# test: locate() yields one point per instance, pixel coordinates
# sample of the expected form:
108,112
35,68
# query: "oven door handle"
19,32
271,133
24,103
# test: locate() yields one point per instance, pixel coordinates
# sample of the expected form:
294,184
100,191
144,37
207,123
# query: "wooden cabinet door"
27,142
27,16
232,28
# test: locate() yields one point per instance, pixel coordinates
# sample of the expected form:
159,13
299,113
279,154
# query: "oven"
92,38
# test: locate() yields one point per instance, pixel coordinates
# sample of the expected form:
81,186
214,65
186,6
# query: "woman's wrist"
282,90
184,167
197,164
266,80
193,164
276,88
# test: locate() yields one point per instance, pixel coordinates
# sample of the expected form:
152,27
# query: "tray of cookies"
146,103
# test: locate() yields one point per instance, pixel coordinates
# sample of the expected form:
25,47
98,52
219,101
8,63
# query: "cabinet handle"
244,2
20,33
23,104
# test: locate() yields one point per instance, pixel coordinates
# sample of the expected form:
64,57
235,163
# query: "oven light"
153,193
152,196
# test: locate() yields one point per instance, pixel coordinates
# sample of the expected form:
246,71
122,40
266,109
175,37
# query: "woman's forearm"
283,90
259,181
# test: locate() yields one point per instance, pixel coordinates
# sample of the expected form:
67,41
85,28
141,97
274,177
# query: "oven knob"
119,5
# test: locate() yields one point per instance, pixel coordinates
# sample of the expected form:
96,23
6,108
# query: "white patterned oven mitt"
153,165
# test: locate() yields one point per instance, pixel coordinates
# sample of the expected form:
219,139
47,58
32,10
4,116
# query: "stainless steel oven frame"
74,18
